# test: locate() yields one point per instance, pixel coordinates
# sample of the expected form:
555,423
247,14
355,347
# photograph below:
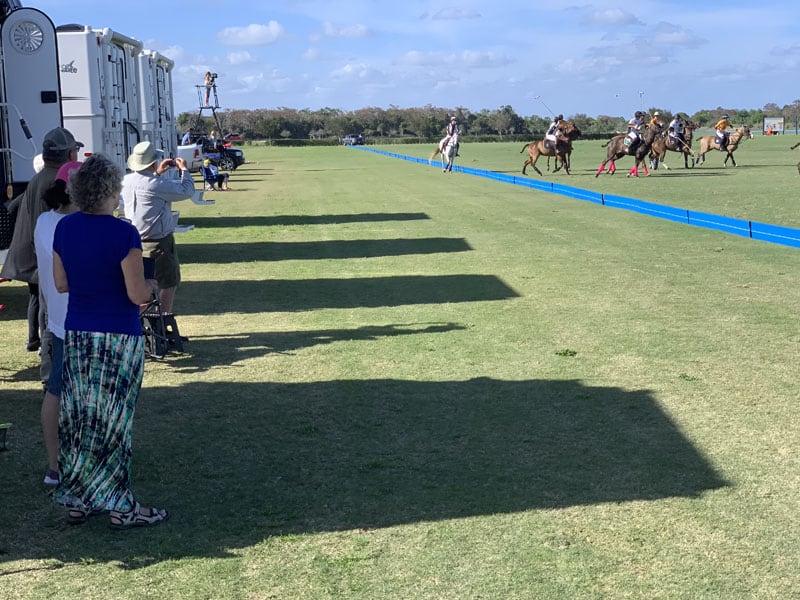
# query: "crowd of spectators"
84,269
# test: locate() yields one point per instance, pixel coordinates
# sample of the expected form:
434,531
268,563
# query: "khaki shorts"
168,269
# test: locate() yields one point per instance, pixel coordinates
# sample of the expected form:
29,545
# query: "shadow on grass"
206,352
27,374
289,220
291,295
238,463
14,298
320,250
695,172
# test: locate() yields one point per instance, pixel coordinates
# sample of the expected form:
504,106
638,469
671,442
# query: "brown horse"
562,151
708,142
617,148
661,144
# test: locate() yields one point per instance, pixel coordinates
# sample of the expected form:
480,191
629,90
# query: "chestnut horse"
616,148
708,142
562,151
662,144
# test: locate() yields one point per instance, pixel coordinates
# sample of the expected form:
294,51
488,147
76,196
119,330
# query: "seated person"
213,177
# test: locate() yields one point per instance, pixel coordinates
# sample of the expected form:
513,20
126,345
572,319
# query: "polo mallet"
685,145
539,98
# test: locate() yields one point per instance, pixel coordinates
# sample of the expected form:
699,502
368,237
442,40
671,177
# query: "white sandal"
136,518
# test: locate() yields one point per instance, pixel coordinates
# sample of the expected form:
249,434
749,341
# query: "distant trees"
430,121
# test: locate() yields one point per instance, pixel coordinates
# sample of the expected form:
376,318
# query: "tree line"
429,122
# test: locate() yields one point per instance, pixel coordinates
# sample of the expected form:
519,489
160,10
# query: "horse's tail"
525,147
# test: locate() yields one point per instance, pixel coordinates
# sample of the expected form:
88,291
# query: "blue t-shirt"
91,248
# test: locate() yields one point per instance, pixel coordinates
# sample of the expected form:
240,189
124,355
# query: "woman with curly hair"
97,258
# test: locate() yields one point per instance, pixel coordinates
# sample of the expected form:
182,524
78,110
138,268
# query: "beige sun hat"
144,154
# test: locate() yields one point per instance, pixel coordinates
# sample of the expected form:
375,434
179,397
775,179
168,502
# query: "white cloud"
350,31
613,16
674,35
176,53
356,72
252,35
467,58
592,66
485,59
240,58
252,82
785,50
453,13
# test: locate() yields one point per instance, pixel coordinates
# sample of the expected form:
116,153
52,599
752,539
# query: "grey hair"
95,182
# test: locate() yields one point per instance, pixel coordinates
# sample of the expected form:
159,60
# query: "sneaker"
33,346
52,477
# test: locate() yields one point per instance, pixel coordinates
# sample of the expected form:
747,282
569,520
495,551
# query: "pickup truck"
192,154
228,158
353,139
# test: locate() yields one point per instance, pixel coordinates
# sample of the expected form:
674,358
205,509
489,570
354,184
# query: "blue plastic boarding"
765,232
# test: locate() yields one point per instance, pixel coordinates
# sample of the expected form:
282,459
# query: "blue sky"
591,57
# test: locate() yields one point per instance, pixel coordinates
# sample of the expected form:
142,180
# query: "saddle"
552,143
631,140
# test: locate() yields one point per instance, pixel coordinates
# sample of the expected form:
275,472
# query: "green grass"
405,384
762,188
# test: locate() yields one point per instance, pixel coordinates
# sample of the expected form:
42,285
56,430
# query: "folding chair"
209,180
160,329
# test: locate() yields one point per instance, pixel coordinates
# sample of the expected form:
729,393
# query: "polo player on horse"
452,129
554,134
722,135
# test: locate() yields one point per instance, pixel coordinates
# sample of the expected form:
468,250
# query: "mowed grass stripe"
618,423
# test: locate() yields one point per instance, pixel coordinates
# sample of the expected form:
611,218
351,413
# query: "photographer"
208,81
148,195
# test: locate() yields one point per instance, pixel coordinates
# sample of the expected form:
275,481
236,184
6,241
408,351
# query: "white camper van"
155,89
29,91
100,89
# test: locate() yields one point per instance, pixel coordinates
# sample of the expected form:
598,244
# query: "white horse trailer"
100,89
158,116
29,91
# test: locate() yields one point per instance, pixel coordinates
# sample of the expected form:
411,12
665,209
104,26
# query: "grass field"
405,384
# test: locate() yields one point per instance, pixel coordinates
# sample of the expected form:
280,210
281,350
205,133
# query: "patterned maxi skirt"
102,378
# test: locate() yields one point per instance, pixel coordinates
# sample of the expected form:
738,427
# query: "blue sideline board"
765,232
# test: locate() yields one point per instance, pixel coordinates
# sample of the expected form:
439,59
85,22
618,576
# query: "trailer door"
30,89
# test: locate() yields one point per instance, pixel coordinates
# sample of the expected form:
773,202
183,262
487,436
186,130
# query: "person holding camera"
208,81
148,193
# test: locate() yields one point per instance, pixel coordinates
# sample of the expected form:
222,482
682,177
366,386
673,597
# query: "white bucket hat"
144,154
